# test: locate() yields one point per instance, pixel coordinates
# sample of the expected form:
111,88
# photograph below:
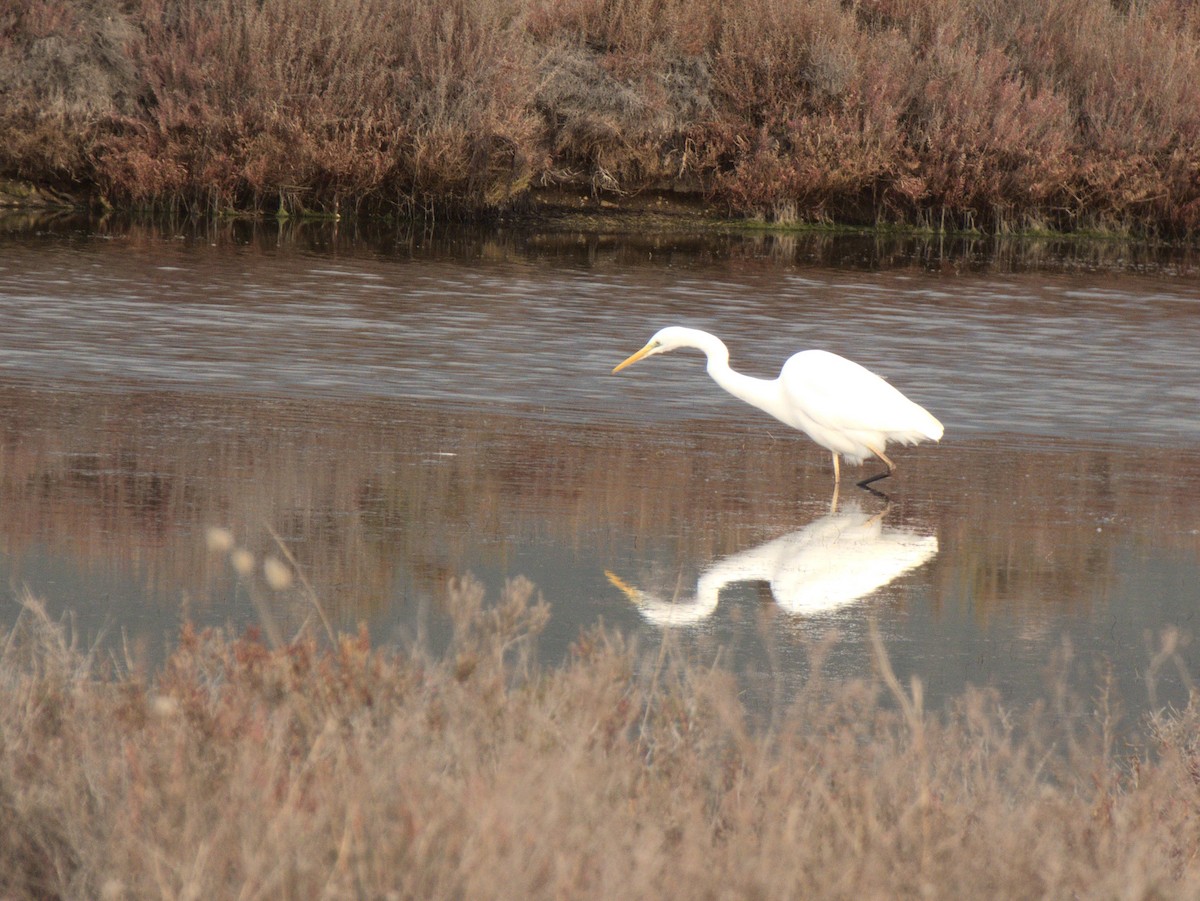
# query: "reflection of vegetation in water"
1044,528
622,240
347,771
373,496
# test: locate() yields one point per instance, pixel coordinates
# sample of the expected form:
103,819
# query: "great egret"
843,407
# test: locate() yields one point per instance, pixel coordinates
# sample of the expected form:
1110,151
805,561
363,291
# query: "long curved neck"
760,393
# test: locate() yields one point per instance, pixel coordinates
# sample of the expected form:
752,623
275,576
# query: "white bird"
842,406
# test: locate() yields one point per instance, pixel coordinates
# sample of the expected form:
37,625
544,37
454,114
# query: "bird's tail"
931,428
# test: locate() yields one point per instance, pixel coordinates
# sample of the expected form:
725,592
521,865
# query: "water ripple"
1110,356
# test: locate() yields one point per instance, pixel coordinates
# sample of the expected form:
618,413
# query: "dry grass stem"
344,770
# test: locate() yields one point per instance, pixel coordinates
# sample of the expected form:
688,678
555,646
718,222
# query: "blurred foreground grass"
318,769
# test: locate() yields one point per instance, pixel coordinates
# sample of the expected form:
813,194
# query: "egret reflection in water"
833,561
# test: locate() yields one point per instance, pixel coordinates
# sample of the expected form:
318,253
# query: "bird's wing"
839,394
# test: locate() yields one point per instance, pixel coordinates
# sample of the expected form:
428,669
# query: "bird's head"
664,340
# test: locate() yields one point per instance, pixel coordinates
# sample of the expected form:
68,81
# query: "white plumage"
842,406
831,562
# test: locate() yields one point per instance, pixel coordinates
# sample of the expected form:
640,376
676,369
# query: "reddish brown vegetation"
955,112
362,773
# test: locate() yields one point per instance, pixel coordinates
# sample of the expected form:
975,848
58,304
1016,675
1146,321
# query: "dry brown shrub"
985,114
62,66
810,111
771,54
622,85
982,113
350,771
639,28
315,102
1128,77
986,143
620,125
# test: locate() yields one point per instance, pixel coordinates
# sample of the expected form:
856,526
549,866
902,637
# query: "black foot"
875,478
875,491
865,485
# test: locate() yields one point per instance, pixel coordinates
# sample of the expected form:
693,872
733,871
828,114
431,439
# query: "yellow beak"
628,590
637,356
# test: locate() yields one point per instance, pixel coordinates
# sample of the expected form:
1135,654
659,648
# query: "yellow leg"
837,470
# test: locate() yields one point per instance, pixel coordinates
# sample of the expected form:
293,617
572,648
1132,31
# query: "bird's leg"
891,467
878,516
837,470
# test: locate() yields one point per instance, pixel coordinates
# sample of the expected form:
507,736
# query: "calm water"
402,410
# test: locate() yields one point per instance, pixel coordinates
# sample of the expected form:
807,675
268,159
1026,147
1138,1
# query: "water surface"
401,411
